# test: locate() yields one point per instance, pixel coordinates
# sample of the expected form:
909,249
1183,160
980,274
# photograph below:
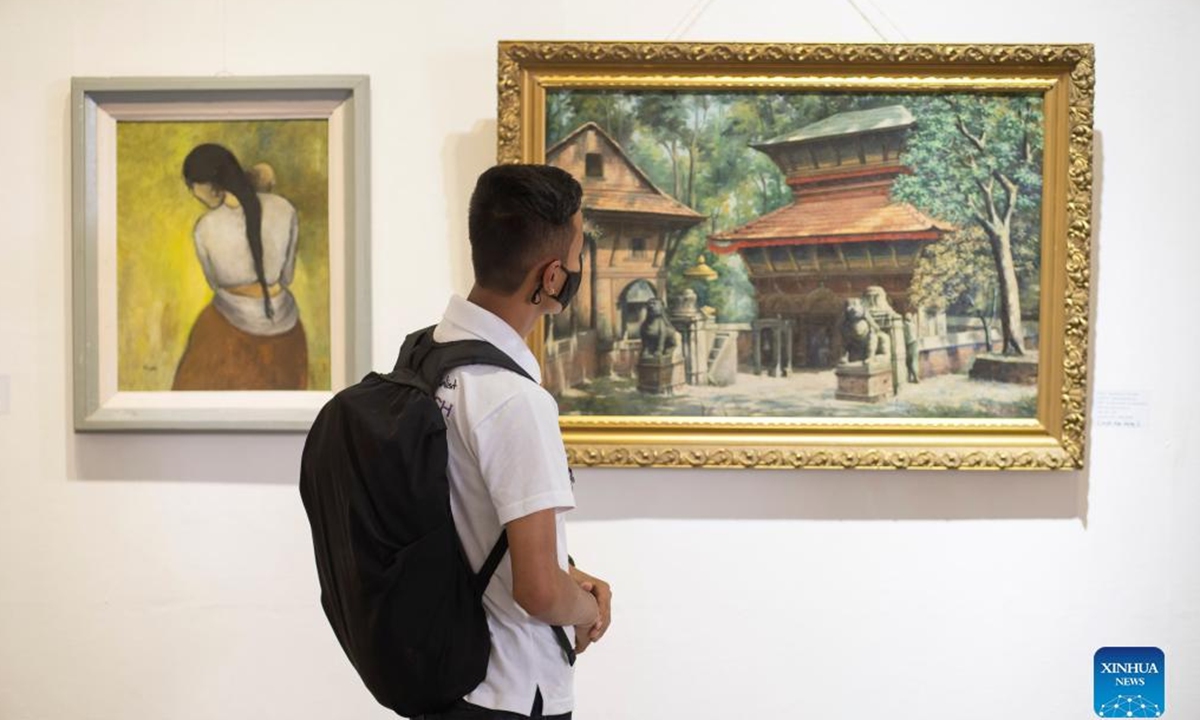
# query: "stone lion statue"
862,339
659,337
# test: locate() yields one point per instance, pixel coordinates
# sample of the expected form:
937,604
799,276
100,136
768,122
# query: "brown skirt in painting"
221,357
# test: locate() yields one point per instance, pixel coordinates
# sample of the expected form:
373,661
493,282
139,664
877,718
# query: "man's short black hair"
519,214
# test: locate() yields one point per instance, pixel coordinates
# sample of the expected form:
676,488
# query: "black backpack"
395,582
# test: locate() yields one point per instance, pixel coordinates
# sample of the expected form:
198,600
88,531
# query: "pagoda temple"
842,232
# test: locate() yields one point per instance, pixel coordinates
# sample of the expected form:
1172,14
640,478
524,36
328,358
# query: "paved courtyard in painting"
804,394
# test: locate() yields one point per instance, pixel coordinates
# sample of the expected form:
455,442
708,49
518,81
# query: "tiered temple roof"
841,171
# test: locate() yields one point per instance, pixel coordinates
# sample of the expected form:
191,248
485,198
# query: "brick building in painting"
841,234
629,225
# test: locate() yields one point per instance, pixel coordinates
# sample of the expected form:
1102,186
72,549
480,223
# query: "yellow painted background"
160,286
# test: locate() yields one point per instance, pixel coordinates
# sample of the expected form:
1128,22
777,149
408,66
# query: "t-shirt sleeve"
521,456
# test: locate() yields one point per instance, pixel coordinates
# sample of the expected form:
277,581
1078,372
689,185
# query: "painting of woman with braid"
249,336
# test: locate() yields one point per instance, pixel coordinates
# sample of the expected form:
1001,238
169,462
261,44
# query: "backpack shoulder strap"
416,346
484,576
451,355
423,358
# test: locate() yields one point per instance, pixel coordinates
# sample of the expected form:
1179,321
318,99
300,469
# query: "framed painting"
851,256
220,231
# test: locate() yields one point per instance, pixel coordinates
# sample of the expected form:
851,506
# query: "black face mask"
571,286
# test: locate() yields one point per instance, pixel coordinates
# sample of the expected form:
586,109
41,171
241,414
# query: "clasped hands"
585,635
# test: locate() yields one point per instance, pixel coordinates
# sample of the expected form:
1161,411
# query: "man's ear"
549,272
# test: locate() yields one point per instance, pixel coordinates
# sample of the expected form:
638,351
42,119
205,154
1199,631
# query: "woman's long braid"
252,209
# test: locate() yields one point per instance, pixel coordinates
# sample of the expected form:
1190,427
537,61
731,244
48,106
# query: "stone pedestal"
871,382
660,376
1020,370
690,322
620,359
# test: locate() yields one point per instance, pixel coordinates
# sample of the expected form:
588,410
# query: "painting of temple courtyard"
800,255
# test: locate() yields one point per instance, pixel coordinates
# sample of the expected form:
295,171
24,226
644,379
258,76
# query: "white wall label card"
1122,409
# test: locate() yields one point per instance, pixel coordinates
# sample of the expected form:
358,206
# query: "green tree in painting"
751,177
567,110
976,163
958,273
730,294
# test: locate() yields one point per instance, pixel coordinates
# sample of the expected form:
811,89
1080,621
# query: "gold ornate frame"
1055,439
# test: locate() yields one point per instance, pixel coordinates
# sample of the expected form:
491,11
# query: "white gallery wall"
171,576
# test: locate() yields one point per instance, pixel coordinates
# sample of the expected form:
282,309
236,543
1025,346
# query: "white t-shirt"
506,461
224,254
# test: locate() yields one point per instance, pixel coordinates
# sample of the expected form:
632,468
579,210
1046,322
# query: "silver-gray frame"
86,95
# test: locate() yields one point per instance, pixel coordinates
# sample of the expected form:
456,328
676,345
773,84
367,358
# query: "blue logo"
1129,682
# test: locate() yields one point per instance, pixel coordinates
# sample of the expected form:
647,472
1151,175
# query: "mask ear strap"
537,294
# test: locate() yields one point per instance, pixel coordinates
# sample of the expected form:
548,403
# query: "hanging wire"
689,19
867,20
884,15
